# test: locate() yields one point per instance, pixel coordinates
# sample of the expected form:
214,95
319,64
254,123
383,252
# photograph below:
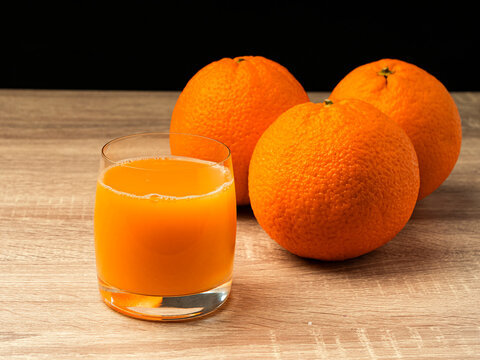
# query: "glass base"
164,308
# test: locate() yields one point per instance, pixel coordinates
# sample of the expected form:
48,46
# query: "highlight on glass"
165,225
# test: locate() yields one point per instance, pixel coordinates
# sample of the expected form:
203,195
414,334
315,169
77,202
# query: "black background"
157,45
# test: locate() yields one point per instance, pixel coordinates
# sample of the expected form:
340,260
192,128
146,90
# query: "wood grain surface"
418,297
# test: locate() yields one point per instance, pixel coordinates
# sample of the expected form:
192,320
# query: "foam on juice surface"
134,165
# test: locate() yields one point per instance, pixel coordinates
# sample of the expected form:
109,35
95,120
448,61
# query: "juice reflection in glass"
165,225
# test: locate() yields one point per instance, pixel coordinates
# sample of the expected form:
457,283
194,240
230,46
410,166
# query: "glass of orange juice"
165,225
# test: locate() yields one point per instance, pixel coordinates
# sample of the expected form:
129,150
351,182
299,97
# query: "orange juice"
165,226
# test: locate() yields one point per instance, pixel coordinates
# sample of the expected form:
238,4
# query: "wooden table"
416,297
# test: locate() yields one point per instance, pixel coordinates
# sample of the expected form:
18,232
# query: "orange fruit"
333,181
420,104
234,101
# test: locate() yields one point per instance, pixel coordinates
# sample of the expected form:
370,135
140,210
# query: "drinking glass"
165,225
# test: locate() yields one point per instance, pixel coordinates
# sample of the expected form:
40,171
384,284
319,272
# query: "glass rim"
110,142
